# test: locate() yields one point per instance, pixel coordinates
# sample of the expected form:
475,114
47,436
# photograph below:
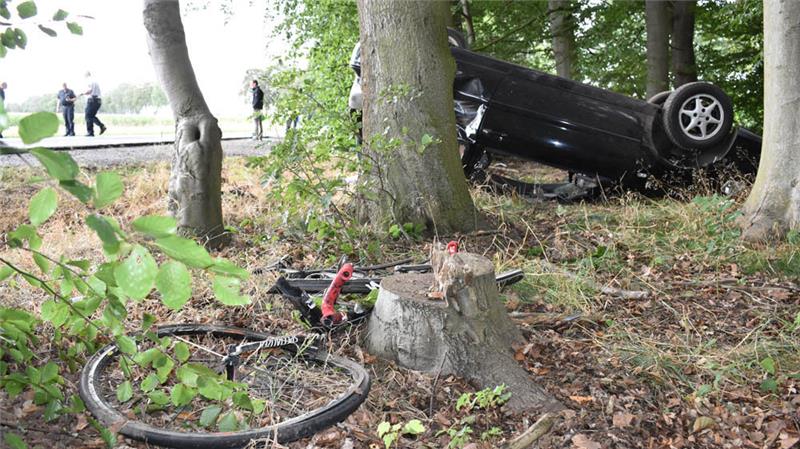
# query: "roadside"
104,157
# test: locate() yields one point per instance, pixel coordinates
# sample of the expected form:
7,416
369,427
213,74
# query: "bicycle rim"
305,392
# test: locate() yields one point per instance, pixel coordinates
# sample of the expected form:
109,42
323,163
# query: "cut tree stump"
466,333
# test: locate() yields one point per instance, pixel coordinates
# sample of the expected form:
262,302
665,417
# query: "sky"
114,49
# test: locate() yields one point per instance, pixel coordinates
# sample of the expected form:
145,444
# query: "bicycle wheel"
304,391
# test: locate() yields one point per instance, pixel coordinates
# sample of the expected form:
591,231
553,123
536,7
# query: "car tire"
456,39
697,116
659,98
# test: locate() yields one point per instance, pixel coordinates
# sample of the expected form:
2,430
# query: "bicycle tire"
292,429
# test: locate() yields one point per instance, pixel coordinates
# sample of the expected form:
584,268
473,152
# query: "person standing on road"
3,87
93,106
66,104
258,105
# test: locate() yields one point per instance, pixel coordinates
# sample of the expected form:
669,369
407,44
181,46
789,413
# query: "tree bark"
683,64
773,206
658,24
196,178
466,333
468,26
409,124
562,27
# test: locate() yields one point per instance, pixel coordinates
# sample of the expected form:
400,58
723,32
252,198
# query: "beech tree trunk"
773,207
195,197
409,124
466,333
684,69
562,27
657,22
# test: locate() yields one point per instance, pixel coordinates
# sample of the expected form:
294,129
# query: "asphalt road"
115,151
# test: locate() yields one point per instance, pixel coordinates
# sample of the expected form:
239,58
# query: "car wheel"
697,116
659,98
456,39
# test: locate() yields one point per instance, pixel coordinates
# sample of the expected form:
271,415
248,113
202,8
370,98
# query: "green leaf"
126,344
228,423
150,383
181,351
175,284
60,15
6,272
49,372
226,290
26,9
124,391
109,187
37,126
55,312
136,274
158,397
383,427
59,165
78,189
74,28
209,387
48,31
228,268
769,365
186,251
769,385
14,441
42,262
242,399
156,226
164,367
20,38
182,395
413,427
42,206
105,231
209,416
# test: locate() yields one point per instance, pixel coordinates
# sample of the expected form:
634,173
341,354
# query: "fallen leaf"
436,295
789,441
702,423
581,441
622,419
582,399
82,422
328,437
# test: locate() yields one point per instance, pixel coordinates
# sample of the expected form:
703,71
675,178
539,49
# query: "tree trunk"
468,26
658,25
773,207
683,65
466,333
196,177
562,27
409,124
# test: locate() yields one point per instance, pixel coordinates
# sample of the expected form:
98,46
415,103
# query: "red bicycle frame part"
329,313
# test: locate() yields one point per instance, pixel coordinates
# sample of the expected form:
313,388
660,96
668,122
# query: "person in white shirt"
92,106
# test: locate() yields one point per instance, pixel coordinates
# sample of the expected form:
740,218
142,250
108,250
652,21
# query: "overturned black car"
601,137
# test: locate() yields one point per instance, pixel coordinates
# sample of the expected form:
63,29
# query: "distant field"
147,125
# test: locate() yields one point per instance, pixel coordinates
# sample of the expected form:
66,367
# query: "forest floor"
708,357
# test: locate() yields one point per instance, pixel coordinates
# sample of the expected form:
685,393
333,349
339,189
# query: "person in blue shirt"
66,104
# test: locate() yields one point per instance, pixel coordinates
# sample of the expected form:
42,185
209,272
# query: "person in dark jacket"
66,104
258,105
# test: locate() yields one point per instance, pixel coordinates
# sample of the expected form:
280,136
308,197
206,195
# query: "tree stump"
466,333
